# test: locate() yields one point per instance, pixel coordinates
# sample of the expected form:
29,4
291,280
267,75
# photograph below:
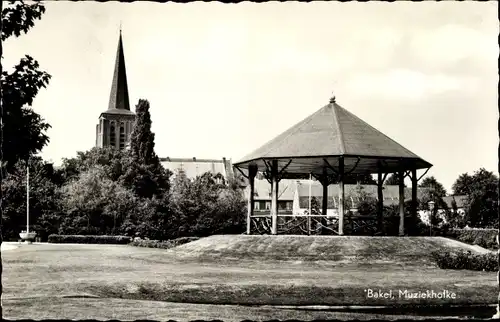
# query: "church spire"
119,90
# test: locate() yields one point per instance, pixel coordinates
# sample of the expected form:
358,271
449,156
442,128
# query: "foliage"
151,218
44,199
435,188
144,175
88,239
315,206
482,201
23,129
142,139
392,179
203,207
109,159
19,17
454,217
367,204
145,180
94,204
463,184
482,237
466,260
163,244
435,192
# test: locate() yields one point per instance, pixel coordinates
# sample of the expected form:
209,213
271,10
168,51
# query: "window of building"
256,206
268,205
122,135
262,205
289,205
112,135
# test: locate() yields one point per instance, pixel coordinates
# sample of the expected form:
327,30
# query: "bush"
88,239
163,244
482,237
466,260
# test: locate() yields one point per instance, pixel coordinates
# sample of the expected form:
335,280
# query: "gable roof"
262,190
461,200
330,132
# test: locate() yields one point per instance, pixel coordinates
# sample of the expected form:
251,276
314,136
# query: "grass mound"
166,244
319,248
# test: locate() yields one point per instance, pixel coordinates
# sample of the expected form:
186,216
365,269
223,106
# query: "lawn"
233,278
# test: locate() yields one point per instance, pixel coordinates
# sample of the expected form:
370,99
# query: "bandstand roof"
326,135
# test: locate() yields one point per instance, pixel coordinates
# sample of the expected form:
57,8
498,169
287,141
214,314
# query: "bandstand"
329,144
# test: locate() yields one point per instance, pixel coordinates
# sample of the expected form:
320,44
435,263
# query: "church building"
115,123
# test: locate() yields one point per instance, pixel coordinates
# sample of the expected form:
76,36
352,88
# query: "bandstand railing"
305,224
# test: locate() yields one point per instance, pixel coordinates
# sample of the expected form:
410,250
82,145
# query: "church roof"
193,167
330,132
119,99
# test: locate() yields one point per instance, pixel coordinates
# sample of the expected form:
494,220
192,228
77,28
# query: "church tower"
115,124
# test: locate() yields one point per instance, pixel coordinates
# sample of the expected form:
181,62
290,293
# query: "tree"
482,200
24,131
315,206
366,203
110,159
142,139
462,185
144,174
453,217
94,204
435,187
44,199
203,206
435,192
393,179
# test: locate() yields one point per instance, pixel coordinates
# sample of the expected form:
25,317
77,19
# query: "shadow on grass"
291,294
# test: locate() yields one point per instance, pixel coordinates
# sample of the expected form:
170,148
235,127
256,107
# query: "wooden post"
324,208
324,183
380,203
341,196
414,199
252,171
274,197
401,203
310,207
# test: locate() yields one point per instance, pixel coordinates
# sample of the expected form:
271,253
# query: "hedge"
88,239
163,244
485,237
466,260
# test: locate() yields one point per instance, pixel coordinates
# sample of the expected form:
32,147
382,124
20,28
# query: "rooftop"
327,134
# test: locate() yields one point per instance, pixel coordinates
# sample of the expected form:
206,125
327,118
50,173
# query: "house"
262,196
294,195
460,201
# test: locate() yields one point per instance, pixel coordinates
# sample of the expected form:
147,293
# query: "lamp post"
26,235
431,214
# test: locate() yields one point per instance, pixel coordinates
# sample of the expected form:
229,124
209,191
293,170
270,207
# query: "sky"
223,79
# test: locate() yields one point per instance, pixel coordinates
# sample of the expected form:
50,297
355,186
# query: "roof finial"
120,27
332,99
